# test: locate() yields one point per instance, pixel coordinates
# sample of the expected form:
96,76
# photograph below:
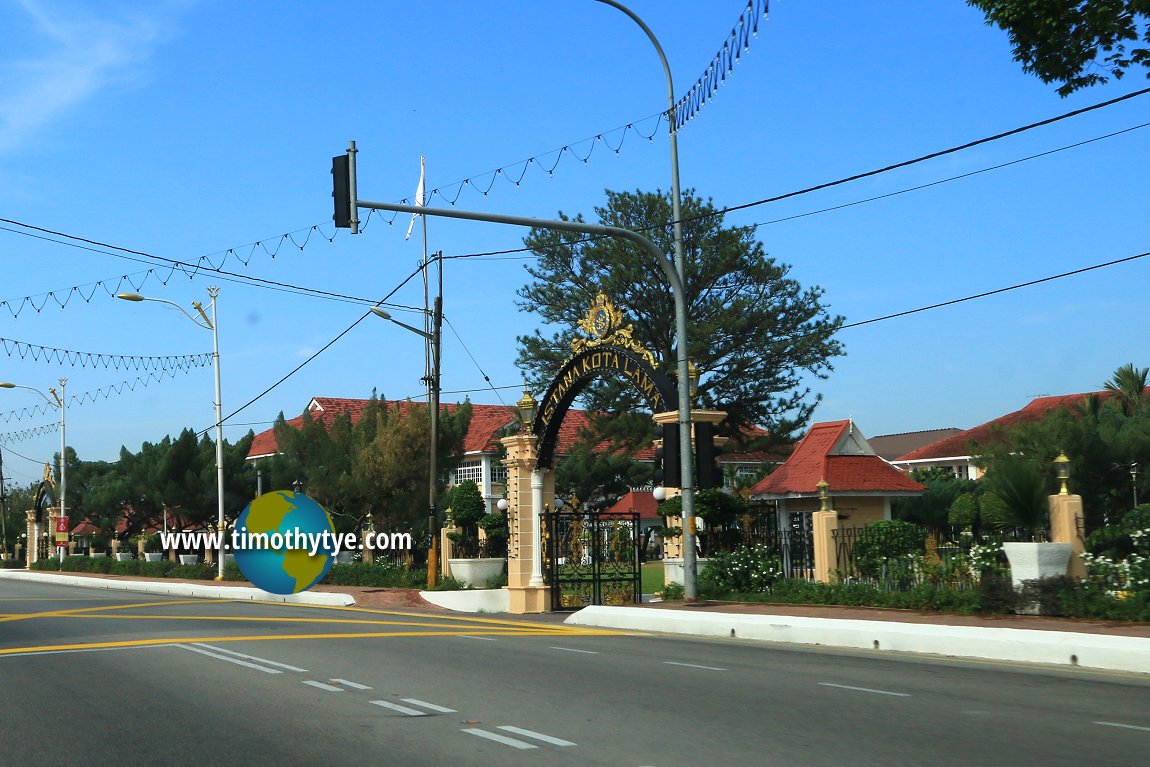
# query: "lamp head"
1062,466
659,494
527,407
502,504
378,311
130,296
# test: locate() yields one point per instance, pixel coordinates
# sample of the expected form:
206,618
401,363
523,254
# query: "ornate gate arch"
536,580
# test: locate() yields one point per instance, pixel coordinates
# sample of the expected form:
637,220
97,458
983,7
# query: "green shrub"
447,583
382,574
156,569
993,511
130,567
742,570
201,571
673,591
964,510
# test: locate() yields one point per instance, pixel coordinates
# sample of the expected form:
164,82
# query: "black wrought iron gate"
592,558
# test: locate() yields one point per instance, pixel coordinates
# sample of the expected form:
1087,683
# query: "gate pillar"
528,491
33,553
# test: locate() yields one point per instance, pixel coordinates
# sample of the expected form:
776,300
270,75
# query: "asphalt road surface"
97,678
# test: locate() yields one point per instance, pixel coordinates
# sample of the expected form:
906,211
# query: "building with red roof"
860,483
481,459
956,452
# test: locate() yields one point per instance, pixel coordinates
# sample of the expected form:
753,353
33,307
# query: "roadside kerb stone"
180,588
1068,648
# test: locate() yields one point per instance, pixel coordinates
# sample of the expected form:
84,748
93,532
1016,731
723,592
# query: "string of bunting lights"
104,392
50,354
30,433
723,65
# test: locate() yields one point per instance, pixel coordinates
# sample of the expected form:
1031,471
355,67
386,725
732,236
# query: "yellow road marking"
269,638
240,619
78,610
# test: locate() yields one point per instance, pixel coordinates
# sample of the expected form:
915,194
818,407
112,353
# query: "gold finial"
824,493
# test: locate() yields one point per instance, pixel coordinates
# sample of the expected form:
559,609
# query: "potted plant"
468,510
153,548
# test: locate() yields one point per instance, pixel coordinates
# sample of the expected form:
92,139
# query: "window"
469,470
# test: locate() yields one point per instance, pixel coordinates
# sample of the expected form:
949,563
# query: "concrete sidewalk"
1020,639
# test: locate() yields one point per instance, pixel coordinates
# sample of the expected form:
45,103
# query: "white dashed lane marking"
1124,726
264,661
430,706
693,665
324,686
572,649
352,685
865,689
536,735
396,707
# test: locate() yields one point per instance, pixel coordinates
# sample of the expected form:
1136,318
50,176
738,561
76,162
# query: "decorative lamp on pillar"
502,504
1062,465
692,379
824,493
659,494
527,407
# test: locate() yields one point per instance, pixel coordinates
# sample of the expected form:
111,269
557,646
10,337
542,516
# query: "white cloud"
71,53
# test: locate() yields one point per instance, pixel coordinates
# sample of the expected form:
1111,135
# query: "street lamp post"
208,323
433,414
56,400
690,582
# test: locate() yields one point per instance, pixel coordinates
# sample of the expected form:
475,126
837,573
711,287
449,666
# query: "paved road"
133,679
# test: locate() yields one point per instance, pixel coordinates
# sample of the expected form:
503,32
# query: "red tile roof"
832,451
960,444
637,500
486,422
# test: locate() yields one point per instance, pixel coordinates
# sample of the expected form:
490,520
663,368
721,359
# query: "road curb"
180,588
1066,648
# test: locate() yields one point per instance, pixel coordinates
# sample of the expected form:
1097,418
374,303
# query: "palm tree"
1129,385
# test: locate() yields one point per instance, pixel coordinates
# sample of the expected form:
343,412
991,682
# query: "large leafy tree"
754,331
178,474
1076,43
1104,437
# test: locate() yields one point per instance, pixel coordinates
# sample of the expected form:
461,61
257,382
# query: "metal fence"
944,555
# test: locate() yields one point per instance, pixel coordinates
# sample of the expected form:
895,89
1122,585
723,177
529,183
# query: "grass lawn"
652,576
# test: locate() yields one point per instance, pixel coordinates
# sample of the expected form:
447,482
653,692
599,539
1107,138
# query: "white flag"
418,199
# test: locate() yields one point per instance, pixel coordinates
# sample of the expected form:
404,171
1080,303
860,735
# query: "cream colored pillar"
528,493
33,532
1066,517
823,526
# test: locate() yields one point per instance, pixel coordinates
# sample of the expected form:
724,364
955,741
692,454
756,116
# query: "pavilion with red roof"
860,483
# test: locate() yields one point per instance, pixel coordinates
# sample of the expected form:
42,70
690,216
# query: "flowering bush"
744,571
1117,574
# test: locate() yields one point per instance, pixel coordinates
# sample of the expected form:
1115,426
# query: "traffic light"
668,470
707,469
341,190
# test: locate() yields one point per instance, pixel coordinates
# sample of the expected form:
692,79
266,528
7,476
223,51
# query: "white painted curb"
179,588
471,600
1098,651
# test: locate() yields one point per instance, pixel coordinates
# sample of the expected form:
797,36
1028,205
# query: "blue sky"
185,129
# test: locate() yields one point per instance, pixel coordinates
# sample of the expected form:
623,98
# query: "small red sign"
62,532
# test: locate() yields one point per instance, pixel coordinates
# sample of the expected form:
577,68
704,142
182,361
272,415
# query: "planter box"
476,572
123,556
189,559
673,569
97,555
1031,561
153,556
